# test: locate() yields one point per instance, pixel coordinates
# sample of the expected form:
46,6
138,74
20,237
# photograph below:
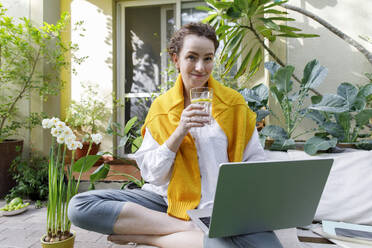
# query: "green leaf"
365,91
244,64
233,12
209,18
364,144
100,173
130,124
258,95
278,18
222,5
344,119
316,116
276,3
315,144
359,104
204,8
277,94
253,8
302,35
335,130
123,141
136,144
272,67
266,32
272,11
256,61
331,103
348,92
261,114
282,79
316,99
314,74
85,163
285,28
270,24
283,145
275,132
363,117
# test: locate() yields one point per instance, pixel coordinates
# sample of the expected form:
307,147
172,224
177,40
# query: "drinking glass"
202,96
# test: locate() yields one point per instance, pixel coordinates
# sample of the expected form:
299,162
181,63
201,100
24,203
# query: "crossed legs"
142,225
132,216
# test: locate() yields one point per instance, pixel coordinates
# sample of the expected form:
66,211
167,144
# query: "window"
144,29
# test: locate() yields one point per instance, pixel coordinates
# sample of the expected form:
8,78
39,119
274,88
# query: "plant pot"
67,243
83,151
9,150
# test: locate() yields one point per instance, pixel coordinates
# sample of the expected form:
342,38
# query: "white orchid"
54,121
45,123
55,132
60,125
79,144
67,132
61,139
73,145
96,138
69,139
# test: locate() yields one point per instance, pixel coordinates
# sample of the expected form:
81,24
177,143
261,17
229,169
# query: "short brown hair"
197,28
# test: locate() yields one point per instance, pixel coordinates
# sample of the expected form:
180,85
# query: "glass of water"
202,96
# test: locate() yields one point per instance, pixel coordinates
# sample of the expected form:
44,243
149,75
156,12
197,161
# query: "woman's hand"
193,115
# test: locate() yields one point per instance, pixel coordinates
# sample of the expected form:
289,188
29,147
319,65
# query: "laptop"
263,196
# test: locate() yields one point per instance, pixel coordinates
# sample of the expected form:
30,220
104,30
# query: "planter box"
9,150
347,195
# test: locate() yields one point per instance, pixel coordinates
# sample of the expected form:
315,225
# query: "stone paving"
26,229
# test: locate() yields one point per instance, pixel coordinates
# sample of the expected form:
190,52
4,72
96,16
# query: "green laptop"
263,196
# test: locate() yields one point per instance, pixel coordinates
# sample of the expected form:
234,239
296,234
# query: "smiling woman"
179,158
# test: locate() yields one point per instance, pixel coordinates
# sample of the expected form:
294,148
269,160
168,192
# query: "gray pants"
98,210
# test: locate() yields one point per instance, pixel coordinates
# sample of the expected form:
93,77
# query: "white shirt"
156,162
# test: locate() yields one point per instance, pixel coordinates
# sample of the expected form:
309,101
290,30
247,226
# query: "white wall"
97,44
38,11
345,63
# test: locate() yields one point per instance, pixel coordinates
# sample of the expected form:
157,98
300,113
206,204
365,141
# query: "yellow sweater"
231,113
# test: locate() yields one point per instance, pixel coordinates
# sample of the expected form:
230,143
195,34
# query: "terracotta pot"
83,151
67,243
9,150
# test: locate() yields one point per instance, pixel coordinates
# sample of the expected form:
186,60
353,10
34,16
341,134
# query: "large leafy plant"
23,48
130,140
291,101
237,21
341,117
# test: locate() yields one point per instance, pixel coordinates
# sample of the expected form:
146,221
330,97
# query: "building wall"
97,44
38,11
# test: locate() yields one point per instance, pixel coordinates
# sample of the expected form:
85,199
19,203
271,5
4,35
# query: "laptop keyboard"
206,220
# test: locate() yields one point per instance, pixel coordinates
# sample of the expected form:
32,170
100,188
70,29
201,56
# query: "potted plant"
87,116
131,140
341,118
23,48
291,101
62,185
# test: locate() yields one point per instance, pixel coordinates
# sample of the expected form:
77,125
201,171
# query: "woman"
179,158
